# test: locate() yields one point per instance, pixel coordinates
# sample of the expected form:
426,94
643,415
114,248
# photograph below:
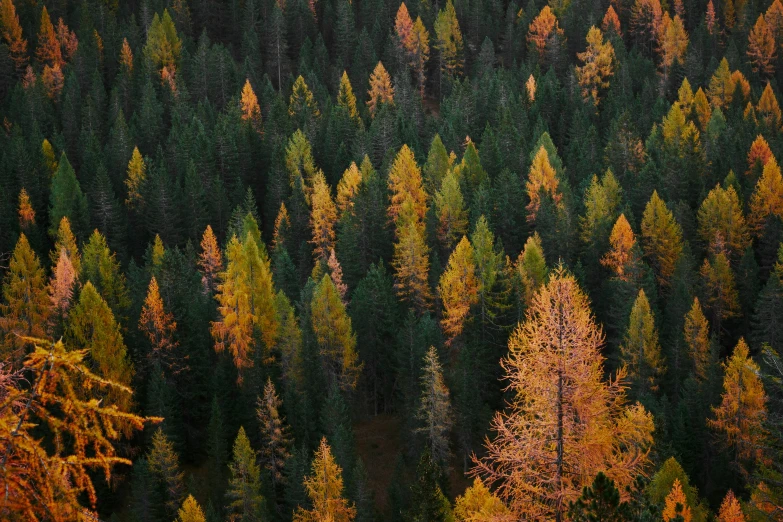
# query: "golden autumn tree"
346,98
210,260
323,216
696,331
661,239
348,187
761,48
598,60
25,309
12,35
672,43
324,487
743,409
251,111
479,504
768,109
676,505
621,257
721,87
159,327
405,183
646,17
543,31
641,351
419,52
411,262
721,220
542,180
381,90
448,41
25,211
43,481
730,509
458,289
136,175
334,335
403,26
758,156
720,290
126,57
767,197
61,286
48,51
611,22
302,105
190,511
563,423
246,303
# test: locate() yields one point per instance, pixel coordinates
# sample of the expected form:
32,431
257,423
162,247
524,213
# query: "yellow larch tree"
346,98
661,239
479,504
347,187
246,303
323,216
448,41
598,60
696,331
411,262
324,487
563,423
405,183
641,351
334,335
672,42
721,220
542,179
25,309
381,90
767,197
742,412
720,289
137,174
458,289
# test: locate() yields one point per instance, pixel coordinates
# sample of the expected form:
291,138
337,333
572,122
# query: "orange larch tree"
12,34
709,18
61,286
611,22
52,481
48,51
730,509
676,505
26,211
543,30
758,156
768,109
159,327
762,48
767,197
248,104
405,183
563,423
210,260
622,250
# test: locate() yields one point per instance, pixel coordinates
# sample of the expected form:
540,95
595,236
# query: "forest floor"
378,444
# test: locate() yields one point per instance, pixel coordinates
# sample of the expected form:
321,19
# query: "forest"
426,261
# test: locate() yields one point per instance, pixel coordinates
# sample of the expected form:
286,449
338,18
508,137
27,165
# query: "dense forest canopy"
335,260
